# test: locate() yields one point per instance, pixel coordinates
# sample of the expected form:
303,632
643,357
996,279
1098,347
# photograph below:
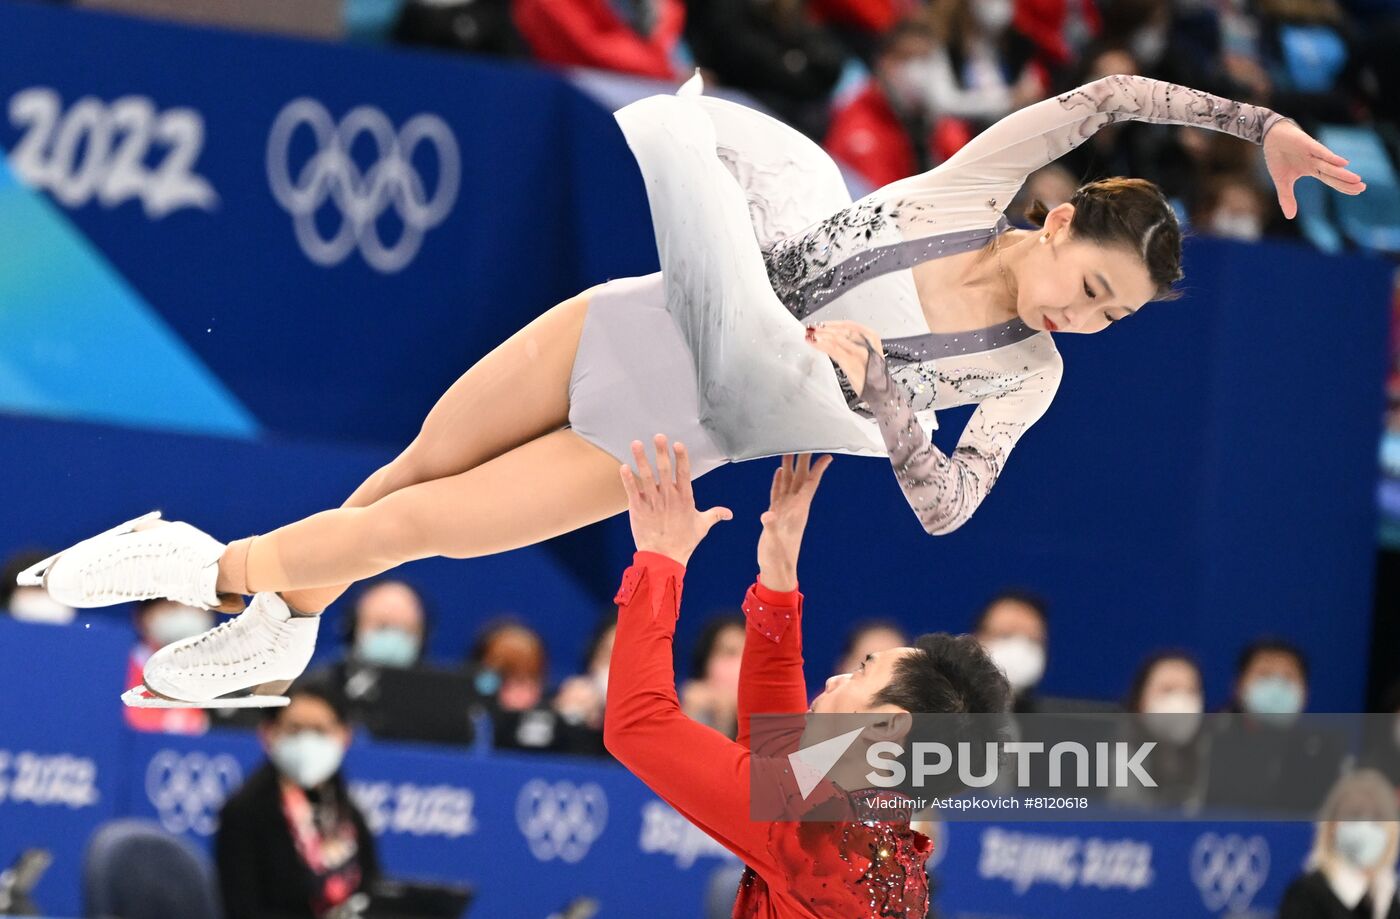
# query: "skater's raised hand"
844,342
1291,154
661,505
790,499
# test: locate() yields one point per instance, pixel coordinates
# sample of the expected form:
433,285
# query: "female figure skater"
785,319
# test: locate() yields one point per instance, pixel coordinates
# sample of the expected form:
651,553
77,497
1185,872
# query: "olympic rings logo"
561,820
188,790
1229,870
362,198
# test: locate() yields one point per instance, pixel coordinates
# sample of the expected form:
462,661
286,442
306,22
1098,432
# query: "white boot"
174,561
230,665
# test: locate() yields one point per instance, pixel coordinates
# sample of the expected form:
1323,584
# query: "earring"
1044,237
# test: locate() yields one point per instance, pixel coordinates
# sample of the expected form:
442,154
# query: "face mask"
38,606
1273,697
388,647
1173,717
907,84
1022,660
307,757
177,624
1236,226
1361,844
993,15
1148,46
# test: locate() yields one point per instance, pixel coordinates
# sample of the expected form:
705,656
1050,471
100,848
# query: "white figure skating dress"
758,237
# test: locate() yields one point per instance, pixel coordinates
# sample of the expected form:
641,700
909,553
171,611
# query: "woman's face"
1171,683
1067,285
306,713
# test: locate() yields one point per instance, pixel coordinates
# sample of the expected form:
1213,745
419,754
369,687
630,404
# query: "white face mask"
1021,659
176,624
35,605
993,15
1173,717
307,757
1236,225
1361,843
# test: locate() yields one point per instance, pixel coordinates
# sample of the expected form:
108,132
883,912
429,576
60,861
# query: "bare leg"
514,394
554,484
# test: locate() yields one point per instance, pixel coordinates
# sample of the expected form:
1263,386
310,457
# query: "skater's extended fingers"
804,466
776,489
683,472
818,468
665,476
646,484
629,485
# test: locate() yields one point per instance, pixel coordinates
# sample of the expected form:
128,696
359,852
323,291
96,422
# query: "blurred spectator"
981,69
1310,50
637,37
582,698
387,625
884,132
711,695
863,25
509,664
159,623
772,50
30,604
1060,29
1051,185
1012,629
869,637
291,842
1233,206
1271,681
1350,872
1130,148
471,26
1167,701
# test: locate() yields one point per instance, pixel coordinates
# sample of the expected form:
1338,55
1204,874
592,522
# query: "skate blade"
141,697
33,576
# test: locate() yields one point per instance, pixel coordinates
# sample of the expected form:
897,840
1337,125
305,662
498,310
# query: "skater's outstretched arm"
698,771
996,162
771,680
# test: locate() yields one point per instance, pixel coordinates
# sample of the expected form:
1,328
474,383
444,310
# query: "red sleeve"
771,681
588,33
697,770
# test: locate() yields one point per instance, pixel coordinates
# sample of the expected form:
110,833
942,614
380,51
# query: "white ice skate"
143,559
244,663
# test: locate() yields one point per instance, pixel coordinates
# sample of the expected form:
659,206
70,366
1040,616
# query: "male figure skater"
863,860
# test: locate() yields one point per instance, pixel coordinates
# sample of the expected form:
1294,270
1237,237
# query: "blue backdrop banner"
532,833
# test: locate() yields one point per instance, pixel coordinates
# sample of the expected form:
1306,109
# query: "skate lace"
161,564
245,637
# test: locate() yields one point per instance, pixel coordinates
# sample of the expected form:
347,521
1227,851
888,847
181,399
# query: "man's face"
855,691
390,606
1273,684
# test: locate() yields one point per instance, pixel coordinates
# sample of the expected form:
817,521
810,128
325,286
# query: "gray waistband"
879,260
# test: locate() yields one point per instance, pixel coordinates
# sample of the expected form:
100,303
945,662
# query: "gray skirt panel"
634,376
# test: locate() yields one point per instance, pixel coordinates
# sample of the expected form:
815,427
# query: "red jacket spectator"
870,137
869,15
591,33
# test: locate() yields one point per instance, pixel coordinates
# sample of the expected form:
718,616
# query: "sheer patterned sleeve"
944,490
1029,138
